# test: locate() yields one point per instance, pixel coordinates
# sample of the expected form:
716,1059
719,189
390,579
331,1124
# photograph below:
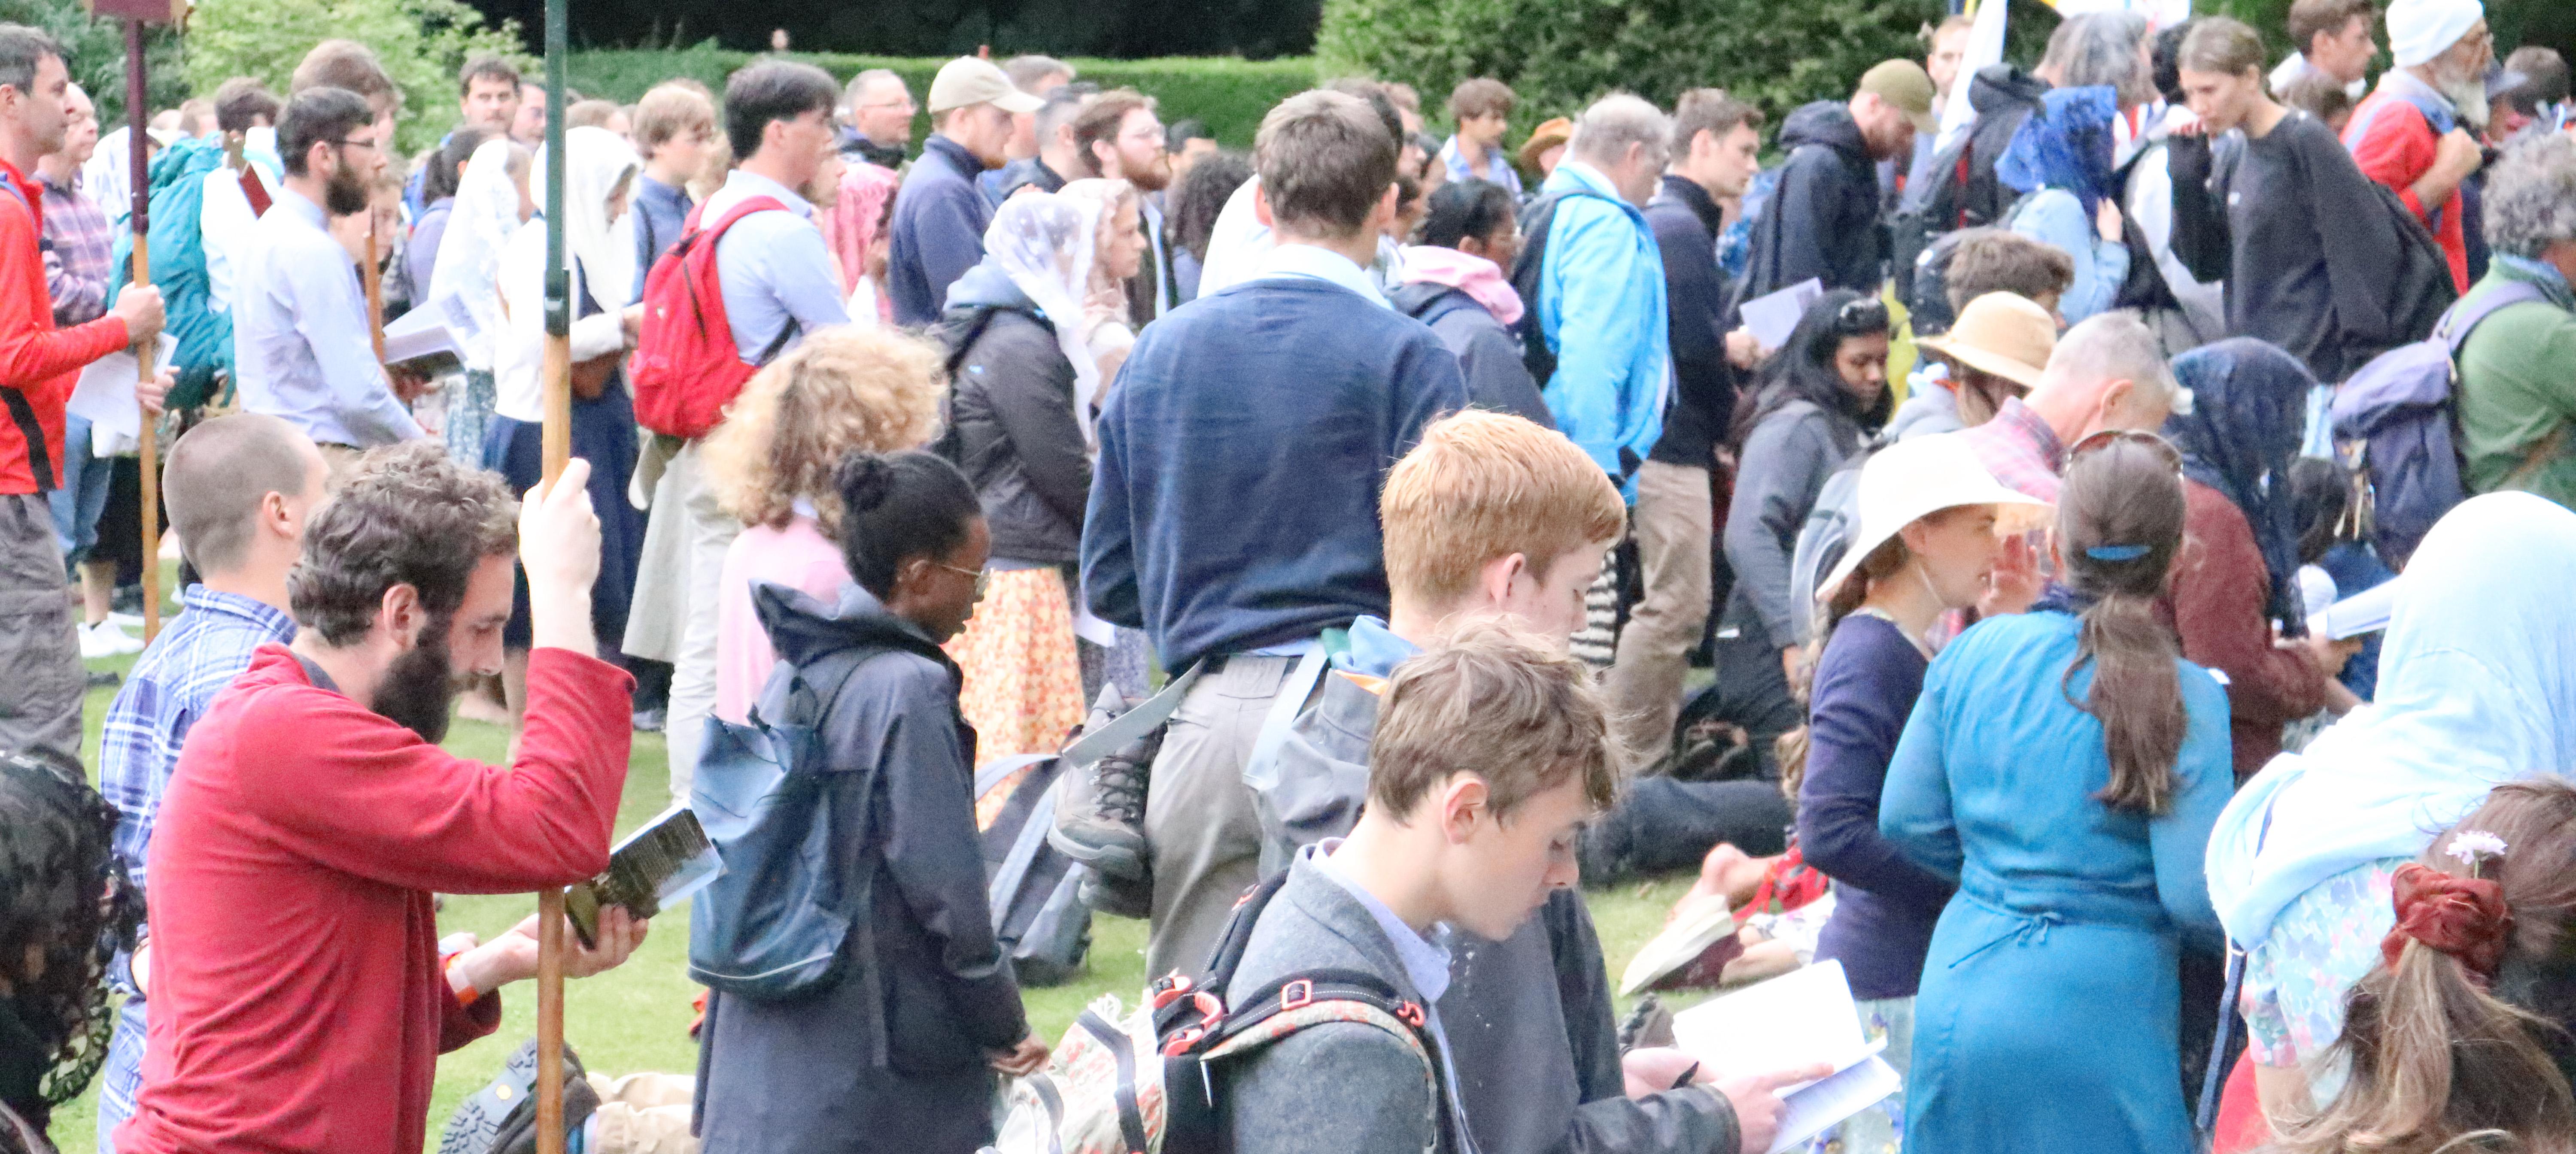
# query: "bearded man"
1120,138
301,345
300,998
2417,133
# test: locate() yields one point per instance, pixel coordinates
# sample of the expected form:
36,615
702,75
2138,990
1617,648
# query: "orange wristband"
464,997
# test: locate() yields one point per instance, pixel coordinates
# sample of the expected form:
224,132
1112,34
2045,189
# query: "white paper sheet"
104,396
1773,316
2365,612
1801,1018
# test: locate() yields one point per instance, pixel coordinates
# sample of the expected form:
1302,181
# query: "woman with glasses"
2063,767
2236,590
1818,398
897,1050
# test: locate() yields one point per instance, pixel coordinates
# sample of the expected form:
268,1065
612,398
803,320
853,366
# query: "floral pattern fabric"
2325,941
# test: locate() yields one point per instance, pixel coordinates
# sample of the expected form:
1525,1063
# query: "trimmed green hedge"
1230,94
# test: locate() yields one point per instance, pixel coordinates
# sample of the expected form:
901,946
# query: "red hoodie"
297,1002
38,363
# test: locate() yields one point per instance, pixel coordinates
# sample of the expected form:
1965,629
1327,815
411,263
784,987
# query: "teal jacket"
1601,309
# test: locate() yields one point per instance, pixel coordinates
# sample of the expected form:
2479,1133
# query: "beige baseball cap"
968,81
1906,85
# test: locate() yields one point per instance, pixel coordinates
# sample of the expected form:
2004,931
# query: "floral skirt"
1023,684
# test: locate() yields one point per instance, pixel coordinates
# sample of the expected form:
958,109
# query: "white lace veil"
1043,242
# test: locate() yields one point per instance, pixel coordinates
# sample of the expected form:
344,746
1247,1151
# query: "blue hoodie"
1601,309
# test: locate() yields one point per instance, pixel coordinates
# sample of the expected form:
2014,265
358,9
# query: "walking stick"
556,432
142,275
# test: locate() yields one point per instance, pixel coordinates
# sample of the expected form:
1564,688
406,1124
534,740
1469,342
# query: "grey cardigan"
1784,465
1335,1088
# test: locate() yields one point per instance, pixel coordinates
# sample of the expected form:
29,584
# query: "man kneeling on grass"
299,1001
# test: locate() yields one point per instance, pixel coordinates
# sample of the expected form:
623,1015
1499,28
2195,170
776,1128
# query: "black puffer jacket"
1012,422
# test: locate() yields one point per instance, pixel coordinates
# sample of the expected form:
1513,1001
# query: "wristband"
466,997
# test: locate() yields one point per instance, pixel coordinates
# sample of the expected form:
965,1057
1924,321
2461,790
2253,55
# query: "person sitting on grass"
299,997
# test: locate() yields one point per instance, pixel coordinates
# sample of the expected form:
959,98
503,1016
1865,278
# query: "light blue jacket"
1601,308
2056,218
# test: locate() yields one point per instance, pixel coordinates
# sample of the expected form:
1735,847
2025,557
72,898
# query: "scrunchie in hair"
2463,917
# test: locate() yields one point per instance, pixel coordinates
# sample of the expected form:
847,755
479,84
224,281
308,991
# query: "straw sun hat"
2005,334
1911,480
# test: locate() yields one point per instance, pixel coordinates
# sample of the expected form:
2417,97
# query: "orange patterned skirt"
1023,682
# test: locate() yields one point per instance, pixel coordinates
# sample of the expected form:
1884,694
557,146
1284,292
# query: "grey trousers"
40,711
1202,836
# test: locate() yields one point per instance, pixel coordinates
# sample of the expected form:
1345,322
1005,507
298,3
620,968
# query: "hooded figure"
2477,687
1821,219
2060,158
599,244
2238,574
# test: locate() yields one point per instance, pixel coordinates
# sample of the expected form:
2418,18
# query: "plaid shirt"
2020,450
78,249
197,657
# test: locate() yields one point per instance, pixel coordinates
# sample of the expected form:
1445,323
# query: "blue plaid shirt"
200,654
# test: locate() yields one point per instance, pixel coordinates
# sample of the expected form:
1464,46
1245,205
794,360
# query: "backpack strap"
2462,319
1258,770
1025,848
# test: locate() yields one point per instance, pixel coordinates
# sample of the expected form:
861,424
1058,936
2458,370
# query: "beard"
419,688
346,192
1152,177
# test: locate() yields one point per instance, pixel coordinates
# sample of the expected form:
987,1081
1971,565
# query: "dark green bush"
1229,94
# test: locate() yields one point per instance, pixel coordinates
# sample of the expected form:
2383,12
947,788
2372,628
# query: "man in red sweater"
299,1000
2413,133
40,701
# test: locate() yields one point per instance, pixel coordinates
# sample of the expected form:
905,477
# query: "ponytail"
2440,1059
2119,527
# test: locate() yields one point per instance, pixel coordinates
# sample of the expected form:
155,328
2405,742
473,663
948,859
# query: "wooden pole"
374,273
135,118
556,442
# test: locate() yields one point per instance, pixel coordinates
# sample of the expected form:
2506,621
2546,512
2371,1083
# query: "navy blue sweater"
937,232
1234,504
1884,905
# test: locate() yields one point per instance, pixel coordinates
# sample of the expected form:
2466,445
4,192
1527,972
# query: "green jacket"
2518,391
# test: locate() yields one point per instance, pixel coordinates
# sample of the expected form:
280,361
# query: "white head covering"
486,213
2477,687
1910,480
602,252
2419,30
1043,242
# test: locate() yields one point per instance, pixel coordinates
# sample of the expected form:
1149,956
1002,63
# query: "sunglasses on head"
2107,437
1862,315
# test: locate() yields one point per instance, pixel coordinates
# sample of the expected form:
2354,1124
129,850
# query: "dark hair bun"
865,480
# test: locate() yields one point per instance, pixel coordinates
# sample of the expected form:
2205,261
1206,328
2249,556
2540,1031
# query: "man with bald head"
238,490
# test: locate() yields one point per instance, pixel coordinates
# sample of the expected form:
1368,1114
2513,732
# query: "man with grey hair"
2106,374
1038,76
1593,279
1059,159
2106,49
879,109
2417,132
2518,368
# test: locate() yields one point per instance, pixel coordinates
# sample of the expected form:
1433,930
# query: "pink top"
798,556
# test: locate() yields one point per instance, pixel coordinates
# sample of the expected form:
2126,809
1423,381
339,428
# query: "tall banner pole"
556,369
135,117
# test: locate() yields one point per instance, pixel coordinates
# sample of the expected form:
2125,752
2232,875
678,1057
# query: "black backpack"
1535,220
1963,193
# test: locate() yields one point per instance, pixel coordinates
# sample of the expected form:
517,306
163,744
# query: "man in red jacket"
2415,132
40,706
299,999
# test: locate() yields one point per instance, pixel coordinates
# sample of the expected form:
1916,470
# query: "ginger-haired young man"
1493,518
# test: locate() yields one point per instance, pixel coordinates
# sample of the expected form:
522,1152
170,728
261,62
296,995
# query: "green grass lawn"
636,1017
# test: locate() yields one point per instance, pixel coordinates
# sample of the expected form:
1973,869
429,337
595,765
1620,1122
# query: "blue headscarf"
2249,410
2068,145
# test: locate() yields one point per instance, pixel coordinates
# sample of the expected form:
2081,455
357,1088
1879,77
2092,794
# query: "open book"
662,862
432,338
1801,1018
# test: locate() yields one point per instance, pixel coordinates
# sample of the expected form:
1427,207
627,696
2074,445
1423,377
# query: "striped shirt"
78,248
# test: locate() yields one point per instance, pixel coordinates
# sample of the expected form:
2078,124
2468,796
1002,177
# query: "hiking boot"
1100,812
1117,897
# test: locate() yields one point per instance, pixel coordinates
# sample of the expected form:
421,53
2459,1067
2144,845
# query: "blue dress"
2047,1017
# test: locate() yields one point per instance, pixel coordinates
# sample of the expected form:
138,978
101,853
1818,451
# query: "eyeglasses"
983,577
1862,315
357,144
2107,437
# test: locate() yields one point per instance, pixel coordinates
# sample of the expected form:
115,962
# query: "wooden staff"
140,164
556,443
373,273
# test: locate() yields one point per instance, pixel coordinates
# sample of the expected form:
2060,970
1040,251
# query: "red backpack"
687,367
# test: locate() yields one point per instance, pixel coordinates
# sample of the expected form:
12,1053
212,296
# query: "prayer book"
658,865
1802,1018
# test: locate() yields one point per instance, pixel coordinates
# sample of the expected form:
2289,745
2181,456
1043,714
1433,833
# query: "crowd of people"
2031,552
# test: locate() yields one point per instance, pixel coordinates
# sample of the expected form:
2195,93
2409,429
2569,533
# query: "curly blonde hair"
841,391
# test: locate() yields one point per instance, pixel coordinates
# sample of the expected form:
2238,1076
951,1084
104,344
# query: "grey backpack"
1038,914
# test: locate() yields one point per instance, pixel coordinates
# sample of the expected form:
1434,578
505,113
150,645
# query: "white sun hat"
1913,479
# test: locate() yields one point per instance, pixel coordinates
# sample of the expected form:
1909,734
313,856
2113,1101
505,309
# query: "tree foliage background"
422,44
97,49
1117,29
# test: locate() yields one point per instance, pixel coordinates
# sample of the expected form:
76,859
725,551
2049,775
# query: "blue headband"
2117,552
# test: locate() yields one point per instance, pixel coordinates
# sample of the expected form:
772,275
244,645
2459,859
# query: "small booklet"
1773,316
2365,612
1802,1018
662,862
431,339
